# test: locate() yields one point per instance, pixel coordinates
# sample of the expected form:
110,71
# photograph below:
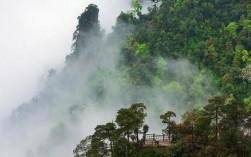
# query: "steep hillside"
177,56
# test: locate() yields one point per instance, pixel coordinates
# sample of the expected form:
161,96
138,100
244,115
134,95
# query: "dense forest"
184,65
214,36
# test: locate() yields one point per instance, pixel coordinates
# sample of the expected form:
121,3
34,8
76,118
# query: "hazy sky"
35,36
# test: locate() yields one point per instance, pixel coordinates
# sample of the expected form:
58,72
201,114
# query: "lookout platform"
157,140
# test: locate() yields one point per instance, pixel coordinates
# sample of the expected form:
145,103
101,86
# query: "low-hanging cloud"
35,37
88,92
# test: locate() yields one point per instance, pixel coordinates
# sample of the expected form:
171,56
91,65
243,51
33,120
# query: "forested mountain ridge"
213,35
177,56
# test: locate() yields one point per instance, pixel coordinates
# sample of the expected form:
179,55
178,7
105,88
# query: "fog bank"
76,97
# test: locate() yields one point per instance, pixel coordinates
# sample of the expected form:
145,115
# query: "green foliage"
248,101
89,19
232,28
131,119
202,125
142,49
124,148
83,147
151,152
214,38
246,73
216,130
110,140
214,111
166,119
241,56
88,25
136,6
221,128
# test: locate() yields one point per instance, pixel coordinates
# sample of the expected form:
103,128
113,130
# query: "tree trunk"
216,121
137,136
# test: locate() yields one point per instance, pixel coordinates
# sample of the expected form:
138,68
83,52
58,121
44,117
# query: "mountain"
176,57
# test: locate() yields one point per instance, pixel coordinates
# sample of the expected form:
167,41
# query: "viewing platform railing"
157,140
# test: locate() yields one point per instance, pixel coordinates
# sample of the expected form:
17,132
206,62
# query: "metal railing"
153,137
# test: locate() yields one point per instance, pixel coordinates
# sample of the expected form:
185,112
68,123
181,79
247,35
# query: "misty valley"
171,79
